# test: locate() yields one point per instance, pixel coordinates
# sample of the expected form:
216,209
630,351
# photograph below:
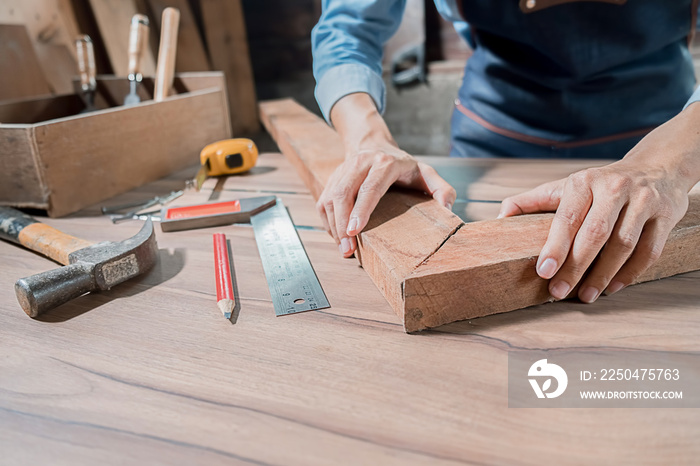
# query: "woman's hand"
620,214
373,163
357,185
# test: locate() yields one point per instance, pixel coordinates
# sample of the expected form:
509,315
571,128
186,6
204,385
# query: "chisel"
138,42
86,67
165,68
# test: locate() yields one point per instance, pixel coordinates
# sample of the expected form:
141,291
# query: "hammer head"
99,266
113,263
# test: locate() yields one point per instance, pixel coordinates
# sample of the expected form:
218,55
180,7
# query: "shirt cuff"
693,98
345,79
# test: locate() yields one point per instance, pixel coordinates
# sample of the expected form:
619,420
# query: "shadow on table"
257,170
168,266
221,182
234,284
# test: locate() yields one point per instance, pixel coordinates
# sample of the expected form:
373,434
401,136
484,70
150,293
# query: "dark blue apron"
571,78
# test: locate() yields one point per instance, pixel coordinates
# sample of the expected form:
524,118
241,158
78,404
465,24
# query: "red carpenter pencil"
224,284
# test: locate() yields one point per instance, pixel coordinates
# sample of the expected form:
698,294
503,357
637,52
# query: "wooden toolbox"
54,158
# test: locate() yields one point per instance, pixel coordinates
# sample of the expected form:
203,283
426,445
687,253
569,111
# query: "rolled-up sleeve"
347,45
693,98
696,95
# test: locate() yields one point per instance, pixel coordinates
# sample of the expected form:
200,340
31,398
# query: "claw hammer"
86,266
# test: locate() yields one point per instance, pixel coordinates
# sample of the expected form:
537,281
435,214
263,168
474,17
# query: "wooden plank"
466,271
20,73
21,182
227,43
113,19
497,259
405,228
52,30
191,54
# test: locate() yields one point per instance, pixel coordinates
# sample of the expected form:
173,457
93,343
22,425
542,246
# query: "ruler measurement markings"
293,284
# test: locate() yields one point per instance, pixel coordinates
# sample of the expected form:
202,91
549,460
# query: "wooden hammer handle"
20,228
165,68
138,42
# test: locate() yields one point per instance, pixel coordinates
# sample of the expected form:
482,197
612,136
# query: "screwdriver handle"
86,63
165,69
138,42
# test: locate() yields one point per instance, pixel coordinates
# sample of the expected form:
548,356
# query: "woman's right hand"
373,163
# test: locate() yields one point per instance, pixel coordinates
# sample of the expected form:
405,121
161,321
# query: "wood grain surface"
26,78
22,184
52,29
150,373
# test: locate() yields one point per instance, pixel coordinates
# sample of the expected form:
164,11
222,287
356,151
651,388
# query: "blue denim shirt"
546,76
348,43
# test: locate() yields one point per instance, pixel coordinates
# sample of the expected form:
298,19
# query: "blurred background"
263,46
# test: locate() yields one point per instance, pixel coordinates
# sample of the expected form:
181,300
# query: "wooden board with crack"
432,267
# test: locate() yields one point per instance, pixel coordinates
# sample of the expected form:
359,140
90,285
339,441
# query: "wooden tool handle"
138,42
20,228
86,62
165,69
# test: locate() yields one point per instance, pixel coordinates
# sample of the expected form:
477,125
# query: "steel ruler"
294,286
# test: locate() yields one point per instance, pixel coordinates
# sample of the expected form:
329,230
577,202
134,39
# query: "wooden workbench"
151,373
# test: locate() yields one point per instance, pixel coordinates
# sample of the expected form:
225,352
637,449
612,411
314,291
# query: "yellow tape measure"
226,157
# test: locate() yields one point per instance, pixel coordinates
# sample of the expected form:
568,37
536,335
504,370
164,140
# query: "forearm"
674,148
690,162
347,46
373,163
360,124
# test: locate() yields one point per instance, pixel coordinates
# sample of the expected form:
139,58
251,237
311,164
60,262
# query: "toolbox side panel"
20,178
90,159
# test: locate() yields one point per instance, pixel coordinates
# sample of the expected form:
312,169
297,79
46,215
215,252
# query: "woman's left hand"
621,213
